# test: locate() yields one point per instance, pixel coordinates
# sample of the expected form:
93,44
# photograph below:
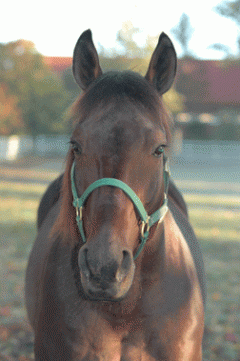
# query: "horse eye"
76,148
158,152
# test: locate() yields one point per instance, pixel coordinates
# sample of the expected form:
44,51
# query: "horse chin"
103,297
114,293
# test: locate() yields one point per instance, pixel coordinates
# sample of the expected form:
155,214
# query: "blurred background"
36,91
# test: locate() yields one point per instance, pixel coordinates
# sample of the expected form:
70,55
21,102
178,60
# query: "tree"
174,101
10,114
125,37
223,48
183,33
40,95
139,61
70,84
134,58
231,10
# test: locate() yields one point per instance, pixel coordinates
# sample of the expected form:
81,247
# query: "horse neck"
153,258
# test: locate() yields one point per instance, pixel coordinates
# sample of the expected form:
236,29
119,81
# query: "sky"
54,26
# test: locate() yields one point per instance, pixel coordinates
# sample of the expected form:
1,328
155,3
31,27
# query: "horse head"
121,132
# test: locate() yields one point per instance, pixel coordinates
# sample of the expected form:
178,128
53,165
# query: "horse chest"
96,336
99,340
112,346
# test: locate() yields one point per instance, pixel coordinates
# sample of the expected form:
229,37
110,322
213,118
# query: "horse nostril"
126,262
125,266
108,272
102,274
95,270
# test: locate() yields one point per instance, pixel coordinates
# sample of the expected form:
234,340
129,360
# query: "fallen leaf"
216,296
231,337
5,311
4,333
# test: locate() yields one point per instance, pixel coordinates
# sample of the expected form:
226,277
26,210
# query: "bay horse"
116,272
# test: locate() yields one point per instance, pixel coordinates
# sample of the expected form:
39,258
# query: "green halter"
147,221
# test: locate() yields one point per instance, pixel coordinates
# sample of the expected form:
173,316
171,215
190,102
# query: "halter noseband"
147,221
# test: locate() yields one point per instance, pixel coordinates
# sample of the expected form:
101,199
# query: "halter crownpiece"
147,221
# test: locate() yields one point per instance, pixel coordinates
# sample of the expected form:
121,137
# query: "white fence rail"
186,152
14,147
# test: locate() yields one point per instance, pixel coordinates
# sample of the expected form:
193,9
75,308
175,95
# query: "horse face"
121,136
122,145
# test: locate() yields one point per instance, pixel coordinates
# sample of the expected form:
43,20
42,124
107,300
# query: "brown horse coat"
93,301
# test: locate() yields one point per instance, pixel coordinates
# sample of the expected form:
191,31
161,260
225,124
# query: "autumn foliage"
32,97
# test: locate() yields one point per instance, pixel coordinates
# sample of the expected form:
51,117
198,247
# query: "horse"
116,272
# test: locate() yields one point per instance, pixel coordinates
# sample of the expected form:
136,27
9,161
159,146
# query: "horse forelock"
122,88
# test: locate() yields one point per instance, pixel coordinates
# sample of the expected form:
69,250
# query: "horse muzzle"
104,276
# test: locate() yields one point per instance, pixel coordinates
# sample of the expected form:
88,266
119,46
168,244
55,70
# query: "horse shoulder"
178,254
183,288
182,222
37,264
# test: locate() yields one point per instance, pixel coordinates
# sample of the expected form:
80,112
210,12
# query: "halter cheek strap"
147,221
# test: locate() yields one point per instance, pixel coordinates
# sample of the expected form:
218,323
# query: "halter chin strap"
147,221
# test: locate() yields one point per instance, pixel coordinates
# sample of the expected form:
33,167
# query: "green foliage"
204,131
228,131
223,48
40,97
174,101
197,131
10,113
183,33
229,125
137,59
230,10
34,100
125,38
70,84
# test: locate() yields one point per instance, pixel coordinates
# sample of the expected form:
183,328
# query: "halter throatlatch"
147,221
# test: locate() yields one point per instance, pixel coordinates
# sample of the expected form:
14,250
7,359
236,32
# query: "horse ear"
86,66
163,64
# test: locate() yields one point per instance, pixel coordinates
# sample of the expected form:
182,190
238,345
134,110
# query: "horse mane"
111,87
65,224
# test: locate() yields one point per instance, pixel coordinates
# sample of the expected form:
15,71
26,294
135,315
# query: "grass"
18,206
221,258
216,223
215,220
212,200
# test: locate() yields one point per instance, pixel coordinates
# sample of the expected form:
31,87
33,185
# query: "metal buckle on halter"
79,213
145,227
167,166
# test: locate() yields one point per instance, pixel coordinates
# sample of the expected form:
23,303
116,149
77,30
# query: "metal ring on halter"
143,230
79,213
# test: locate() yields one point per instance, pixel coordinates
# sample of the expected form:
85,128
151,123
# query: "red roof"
211,83
224,84
58,64
206,84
